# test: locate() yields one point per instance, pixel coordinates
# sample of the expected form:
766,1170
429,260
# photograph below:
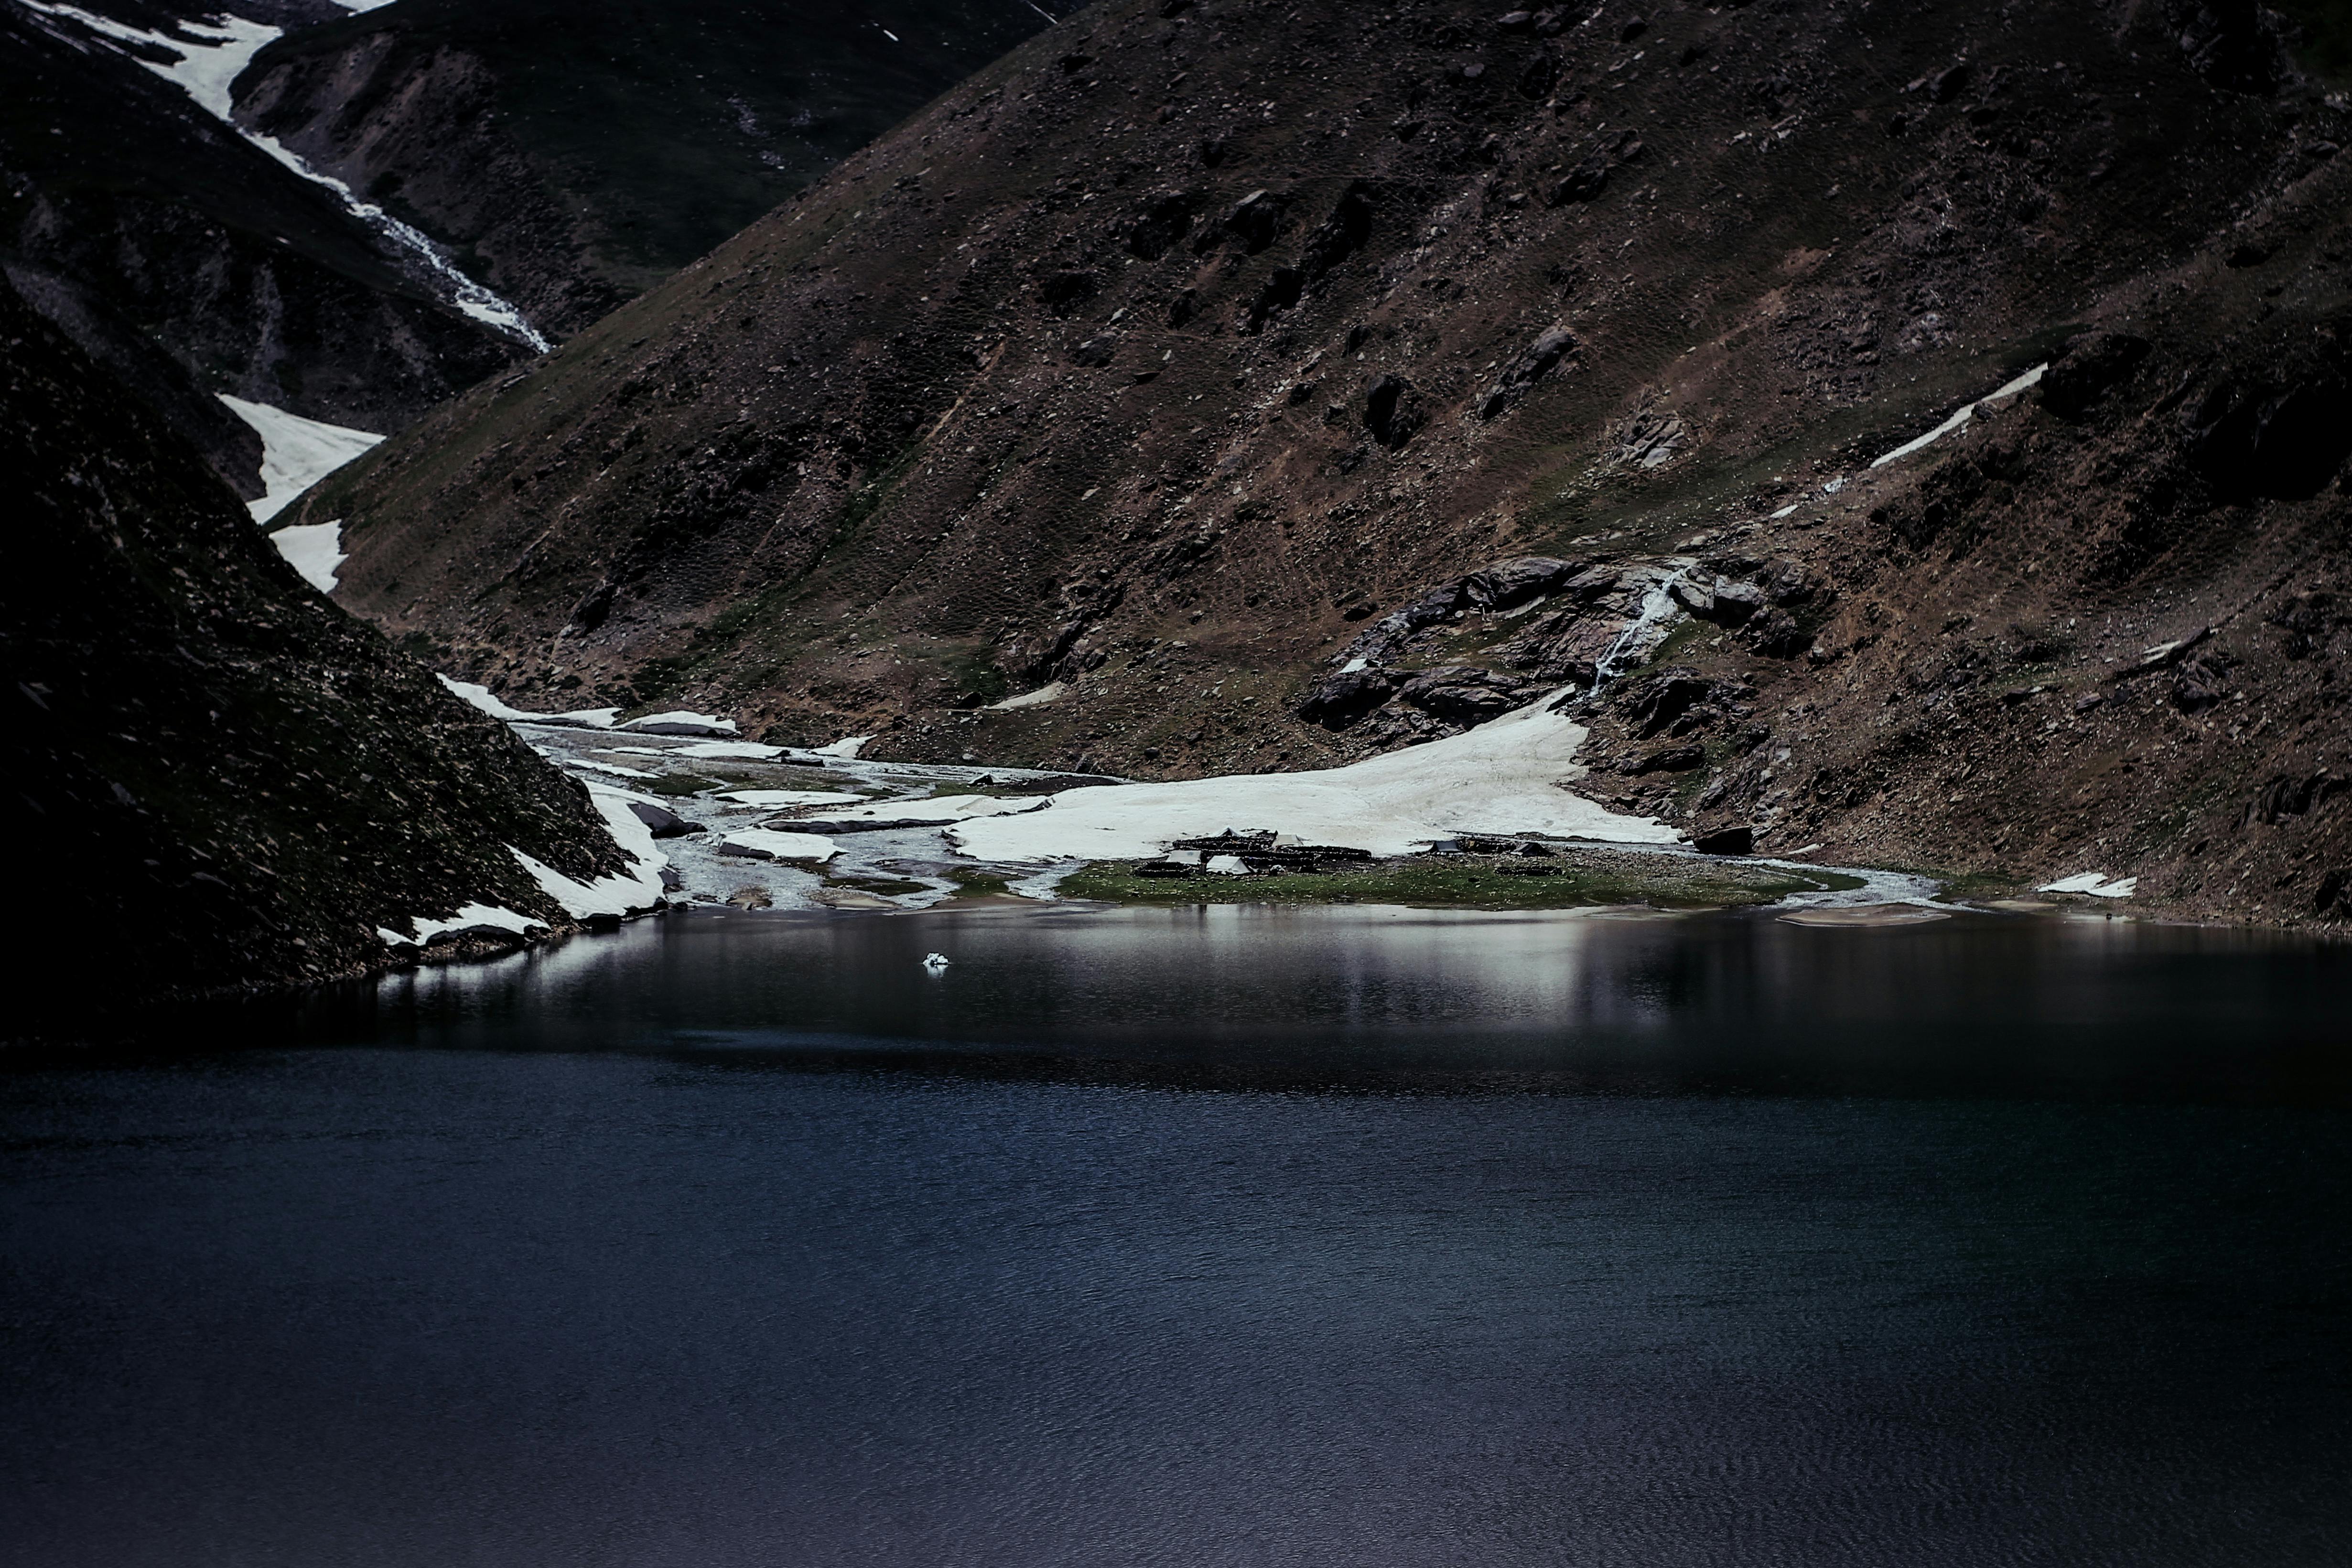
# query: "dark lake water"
1224,1237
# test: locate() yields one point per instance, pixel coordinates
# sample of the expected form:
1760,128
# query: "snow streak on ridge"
205,64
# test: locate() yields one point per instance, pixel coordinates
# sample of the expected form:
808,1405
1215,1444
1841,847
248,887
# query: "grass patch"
1966,884
972,883
1458,881
679,785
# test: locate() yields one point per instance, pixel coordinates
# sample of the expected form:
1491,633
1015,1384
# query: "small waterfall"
1656,605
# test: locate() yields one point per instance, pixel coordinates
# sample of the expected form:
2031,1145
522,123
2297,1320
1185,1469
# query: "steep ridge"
220,782
189,262
1243,387
579,152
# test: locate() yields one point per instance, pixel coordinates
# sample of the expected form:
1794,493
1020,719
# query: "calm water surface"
1224,1238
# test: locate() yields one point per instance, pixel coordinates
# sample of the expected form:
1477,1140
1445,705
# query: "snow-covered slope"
1508,776
296,453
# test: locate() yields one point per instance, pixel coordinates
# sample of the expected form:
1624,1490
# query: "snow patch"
624,892
314,550
1967,412
296,453
847,747
1503,777
203,65
937,808
1047,693
2094,883
471,917
480,696
783,845
773,798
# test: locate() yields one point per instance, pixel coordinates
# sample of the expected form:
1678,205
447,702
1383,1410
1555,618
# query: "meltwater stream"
1228,1236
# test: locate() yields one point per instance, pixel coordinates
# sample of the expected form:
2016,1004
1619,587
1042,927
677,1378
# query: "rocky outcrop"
222,782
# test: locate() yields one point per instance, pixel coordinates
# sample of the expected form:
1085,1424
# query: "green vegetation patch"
971,882
1574,879
679,785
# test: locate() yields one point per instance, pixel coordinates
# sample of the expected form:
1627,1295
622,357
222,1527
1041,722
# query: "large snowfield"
1506,777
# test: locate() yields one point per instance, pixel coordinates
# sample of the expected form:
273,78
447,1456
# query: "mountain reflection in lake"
1224,1238
1257,992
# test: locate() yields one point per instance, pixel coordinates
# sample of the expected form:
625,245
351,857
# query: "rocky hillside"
220,781
578,152
1242,386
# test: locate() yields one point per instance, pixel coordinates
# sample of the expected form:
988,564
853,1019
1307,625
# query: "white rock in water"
935,961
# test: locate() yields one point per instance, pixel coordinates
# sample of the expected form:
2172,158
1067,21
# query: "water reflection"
1974,1003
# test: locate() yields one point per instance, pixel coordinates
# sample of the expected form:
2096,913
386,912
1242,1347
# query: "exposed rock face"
221,780
1163,360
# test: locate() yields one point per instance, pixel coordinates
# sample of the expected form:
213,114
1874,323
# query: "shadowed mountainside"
1196,356
222,782
578,152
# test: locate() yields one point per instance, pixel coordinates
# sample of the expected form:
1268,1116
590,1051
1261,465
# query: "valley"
1914,437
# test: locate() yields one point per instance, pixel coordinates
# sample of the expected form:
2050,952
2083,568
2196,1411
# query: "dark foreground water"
1251,1237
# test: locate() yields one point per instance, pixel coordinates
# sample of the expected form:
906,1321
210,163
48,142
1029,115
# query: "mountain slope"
221,782
191,263
1185,367
579,152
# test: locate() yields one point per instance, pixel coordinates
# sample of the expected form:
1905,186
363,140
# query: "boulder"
1777,634
1739,841
2200,683
1695,595
1656,700
1464,694
1509,584
1671,760
1735,602
1338,700
1593,582
1393,411
1527,367
663,822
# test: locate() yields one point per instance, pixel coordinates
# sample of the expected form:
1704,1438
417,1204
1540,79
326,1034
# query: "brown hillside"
1195,351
